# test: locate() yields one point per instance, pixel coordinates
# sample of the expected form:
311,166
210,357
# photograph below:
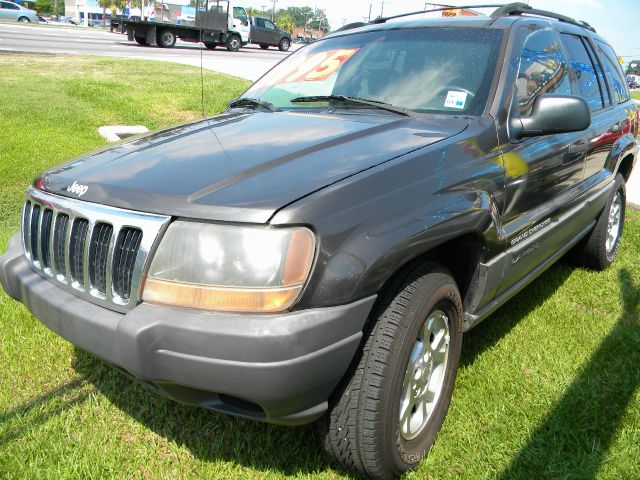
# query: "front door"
271,33
543,173
9,11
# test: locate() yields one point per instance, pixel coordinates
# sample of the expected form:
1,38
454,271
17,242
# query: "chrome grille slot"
59,239
45,238
34,233
26,221
124,257
77,246
96,252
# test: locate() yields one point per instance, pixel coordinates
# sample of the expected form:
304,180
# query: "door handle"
579,147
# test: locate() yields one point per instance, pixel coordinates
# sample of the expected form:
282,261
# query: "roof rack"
503,10
522,8
440,9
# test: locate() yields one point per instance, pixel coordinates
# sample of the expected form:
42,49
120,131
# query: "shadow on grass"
26,417
209,436
573,440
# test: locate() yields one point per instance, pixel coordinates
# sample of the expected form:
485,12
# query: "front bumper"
276,368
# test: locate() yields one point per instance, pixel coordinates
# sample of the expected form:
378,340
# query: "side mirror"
552,114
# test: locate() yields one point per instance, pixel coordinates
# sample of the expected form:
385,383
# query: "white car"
15,12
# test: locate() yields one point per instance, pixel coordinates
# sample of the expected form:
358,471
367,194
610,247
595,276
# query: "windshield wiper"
359,101
252,102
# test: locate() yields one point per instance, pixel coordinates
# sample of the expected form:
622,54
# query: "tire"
284,44
264,47
141,41
210,45
234,42
166,38
24,20
362,428
600,248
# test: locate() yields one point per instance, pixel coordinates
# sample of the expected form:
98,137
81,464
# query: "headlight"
230,268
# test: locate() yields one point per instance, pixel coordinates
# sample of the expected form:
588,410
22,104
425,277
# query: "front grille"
96,252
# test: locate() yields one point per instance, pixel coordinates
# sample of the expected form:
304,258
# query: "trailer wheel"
141,41
285,43
210,45
234,42
166,38
264,46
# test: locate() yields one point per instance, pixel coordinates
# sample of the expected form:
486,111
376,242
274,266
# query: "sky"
616,20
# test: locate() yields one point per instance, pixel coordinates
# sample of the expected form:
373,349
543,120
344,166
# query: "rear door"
614,121
258,35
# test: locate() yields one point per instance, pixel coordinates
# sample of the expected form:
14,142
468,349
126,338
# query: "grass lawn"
548,386
635,95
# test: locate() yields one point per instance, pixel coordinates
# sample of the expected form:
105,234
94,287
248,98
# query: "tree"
285,21
633,67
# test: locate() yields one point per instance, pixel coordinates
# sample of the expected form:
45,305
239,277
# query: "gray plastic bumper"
277,368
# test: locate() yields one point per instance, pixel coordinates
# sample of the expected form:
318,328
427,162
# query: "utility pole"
273,11
382,9
370,7
263,7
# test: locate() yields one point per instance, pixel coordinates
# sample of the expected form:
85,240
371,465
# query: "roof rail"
350,26
440,9
522,8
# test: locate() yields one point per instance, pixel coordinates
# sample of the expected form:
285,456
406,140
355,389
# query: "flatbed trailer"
214,23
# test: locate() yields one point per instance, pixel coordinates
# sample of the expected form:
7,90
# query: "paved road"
249,62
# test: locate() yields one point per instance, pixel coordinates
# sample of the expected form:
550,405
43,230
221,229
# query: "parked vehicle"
267,34
633,81
318,251
212,22
18,13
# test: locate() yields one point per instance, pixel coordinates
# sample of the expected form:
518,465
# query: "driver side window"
543,69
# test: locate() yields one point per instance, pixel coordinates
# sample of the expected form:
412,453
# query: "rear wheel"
600,248
166,38
141,41
24,20
284,45
385,416
234,42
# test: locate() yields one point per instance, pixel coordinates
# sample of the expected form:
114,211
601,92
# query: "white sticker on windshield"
455,99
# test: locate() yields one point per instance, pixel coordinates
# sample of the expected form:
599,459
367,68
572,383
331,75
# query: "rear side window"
584,71
613,72
543,69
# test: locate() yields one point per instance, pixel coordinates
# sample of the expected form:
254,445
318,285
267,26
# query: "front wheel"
234,43
24,20
166,38
385,416
600,248
284,45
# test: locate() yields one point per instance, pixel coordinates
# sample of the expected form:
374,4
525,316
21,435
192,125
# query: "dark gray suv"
317,251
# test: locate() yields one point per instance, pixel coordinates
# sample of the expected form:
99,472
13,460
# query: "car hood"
243,166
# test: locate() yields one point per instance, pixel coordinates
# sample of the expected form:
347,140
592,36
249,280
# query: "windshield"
439,70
